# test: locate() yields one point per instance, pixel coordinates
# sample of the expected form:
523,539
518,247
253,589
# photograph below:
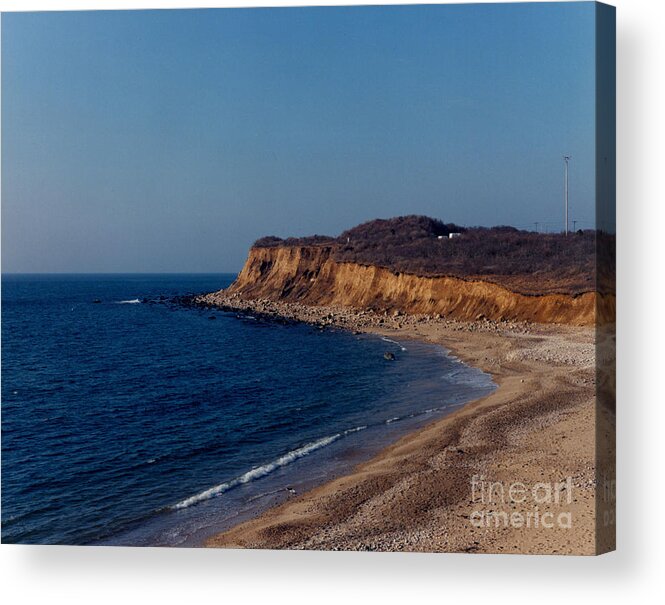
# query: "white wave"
355,430
384,338
259,471
134,301
412,415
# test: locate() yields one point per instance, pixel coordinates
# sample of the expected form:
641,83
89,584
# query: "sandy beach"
513,472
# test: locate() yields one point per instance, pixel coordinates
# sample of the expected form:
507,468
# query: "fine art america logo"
540,505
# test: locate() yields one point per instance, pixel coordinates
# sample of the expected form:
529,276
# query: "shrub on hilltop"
521,260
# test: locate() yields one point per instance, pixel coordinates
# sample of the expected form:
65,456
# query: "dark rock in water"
212,317
388,356
96,301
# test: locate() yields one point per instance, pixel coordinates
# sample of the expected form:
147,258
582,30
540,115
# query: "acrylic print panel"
187,361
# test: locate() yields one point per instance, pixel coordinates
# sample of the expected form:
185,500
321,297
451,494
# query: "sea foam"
386,339
263,470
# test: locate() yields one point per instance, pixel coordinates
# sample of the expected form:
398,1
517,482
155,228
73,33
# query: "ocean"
128,421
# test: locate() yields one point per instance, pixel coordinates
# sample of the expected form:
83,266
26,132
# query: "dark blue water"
134,423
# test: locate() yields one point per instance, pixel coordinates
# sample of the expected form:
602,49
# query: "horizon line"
3,273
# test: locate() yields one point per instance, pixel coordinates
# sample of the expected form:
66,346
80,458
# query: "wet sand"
513,472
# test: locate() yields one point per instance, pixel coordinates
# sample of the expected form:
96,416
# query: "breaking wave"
265,469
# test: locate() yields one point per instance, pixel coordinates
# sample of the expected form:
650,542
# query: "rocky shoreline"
355,320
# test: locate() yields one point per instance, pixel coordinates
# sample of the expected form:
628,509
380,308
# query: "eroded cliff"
311,275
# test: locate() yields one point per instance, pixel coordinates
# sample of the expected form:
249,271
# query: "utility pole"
574,223
565,189
536,224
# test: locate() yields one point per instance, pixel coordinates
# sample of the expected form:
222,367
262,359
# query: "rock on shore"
356,320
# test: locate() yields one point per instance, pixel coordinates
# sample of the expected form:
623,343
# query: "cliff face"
310,275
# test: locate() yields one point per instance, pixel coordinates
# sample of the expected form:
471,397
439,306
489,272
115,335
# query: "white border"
75,574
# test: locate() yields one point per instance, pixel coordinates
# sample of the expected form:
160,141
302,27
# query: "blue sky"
170,140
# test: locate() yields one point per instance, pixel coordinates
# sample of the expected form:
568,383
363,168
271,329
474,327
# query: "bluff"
410,264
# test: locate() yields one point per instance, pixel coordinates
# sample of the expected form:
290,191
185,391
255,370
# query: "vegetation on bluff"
523,261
